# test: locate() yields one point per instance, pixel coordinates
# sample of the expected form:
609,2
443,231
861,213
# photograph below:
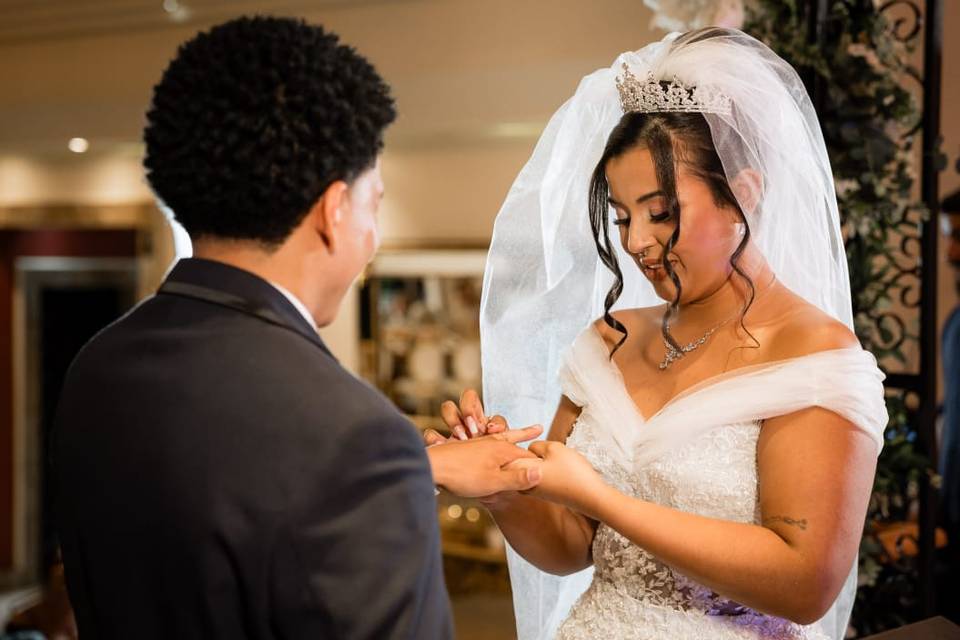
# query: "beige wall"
100,178
450,193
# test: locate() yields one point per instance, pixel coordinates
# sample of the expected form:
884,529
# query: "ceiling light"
78,145
176,11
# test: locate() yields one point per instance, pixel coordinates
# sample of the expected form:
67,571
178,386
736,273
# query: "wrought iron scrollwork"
913,24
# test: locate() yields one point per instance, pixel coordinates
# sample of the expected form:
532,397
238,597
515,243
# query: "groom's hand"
474,468
467,420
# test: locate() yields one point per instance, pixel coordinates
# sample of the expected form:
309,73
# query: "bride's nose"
639,241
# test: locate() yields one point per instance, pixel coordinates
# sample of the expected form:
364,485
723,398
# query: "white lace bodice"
698,454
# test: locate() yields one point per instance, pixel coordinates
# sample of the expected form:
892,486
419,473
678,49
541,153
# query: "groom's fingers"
526,479
520,477
496,424
520,435
505,454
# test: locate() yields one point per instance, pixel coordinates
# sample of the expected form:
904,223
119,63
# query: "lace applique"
633,595
604,612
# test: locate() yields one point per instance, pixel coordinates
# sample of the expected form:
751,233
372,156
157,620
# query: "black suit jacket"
219,475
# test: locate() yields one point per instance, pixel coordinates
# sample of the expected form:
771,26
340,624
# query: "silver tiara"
650,96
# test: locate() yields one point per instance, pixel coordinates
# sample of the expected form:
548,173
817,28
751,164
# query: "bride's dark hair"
672,139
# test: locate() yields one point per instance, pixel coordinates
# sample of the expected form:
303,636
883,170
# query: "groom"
217,473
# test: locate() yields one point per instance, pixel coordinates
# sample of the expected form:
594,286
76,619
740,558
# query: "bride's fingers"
451,415
541,448
432,437
472,410
475,428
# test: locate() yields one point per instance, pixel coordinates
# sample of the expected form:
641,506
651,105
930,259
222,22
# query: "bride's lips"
653,269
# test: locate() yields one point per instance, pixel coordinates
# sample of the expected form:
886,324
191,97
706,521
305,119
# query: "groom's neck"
266,261
287,264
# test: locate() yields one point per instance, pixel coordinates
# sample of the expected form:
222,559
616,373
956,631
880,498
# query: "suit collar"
240,290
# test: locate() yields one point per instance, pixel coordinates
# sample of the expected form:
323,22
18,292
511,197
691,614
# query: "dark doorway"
69,316
59,288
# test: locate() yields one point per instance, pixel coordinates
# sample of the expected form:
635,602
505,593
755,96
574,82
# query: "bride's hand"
566,477
468,419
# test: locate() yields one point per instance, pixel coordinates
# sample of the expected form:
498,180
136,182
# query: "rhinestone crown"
650,96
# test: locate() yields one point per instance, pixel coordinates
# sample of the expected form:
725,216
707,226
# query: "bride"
707,472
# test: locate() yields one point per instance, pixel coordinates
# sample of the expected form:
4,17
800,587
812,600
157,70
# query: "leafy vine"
859,68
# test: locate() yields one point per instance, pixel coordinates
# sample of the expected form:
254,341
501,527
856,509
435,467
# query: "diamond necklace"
672,354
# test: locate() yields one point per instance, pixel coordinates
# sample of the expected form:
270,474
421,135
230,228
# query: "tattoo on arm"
795,522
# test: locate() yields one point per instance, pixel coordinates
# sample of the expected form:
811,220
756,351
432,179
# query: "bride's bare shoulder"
806,329
639,323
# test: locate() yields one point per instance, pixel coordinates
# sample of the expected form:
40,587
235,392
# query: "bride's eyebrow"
640,200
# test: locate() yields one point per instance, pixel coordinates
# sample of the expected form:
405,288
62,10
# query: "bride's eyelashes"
662,216
655,218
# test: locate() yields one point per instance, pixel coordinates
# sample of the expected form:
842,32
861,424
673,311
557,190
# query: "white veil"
544,282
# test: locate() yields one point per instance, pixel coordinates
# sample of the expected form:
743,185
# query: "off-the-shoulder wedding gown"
697,454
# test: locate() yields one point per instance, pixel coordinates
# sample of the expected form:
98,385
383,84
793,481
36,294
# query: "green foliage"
870,124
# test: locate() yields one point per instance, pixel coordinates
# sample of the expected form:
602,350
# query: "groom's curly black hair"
254,119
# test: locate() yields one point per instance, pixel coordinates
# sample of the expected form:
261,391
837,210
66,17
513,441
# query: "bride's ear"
747,188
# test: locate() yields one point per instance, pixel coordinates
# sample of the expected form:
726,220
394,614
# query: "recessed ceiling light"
177,11
78,145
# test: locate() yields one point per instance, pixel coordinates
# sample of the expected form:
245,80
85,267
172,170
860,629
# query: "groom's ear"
328,212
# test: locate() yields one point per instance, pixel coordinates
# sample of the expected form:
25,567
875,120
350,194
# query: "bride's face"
709,234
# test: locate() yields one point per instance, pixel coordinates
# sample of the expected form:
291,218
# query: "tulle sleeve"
586,373
845,381
570,384
851,385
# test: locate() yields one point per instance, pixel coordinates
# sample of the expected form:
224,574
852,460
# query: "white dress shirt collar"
298,305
